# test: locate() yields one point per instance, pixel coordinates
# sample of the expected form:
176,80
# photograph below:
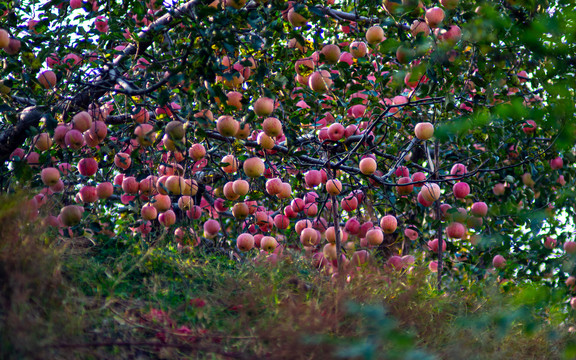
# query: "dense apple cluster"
340,148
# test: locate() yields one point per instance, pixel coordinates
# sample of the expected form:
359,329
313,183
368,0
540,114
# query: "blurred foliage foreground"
72,299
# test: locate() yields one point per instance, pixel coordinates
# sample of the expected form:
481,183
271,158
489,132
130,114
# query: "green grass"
69,299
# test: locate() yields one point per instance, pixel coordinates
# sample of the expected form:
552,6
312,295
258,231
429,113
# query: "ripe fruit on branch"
405,189
245,242
333,186
47,79
264,106
175,130
4,39
419,26
358,49
87,166
499,262
240,187
434,16
499,189
368,166
479,209
232,164
50,176
430,192
122,160
320,81
375,236
461,190
295,19
424,130
336,131
268,243
529,127
388,223
82,121
456,230
272,127
557,163
197,152
254,167
375,35
71,215
227,125
331,53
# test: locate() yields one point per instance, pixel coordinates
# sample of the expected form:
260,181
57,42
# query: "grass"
74,299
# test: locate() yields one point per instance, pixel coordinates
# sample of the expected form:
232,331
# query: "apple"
272,127
388,224
273,186
88,194
433,245
375,236
268,243
130,185
104,190
309,237
167,218
47,79
13,47
331,53
333,186
499,262
395,262
368,166
549,243
74,139
185,202
142,116
148,212
122,160
479,209
197,152
304,67
227,125
404,189
295,19
175,130
418,177
161,202
570,247
449,4
240,211
4,39
211,226
281,221
499,189
419,26
82,121
320,81
87,166
285,191
456,230
358,49
375,35
254,167
263,106
411,234
194,213
349,203
336,131
329,251
245,242
313,178
430,192
433,266
232,164
265,141
50,176
71,215
461,190
557,163
458,170
240,187
434,16
424,130
529,127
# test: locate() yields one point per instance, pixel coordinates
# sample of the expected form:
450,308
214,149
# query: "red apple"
434,16
461,190
388,224
87,166
499,262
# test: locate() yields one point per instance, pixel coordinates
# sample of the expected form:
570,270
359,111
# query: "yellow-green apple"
264,106
227,125
254,167
71,215
375,35
424,130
